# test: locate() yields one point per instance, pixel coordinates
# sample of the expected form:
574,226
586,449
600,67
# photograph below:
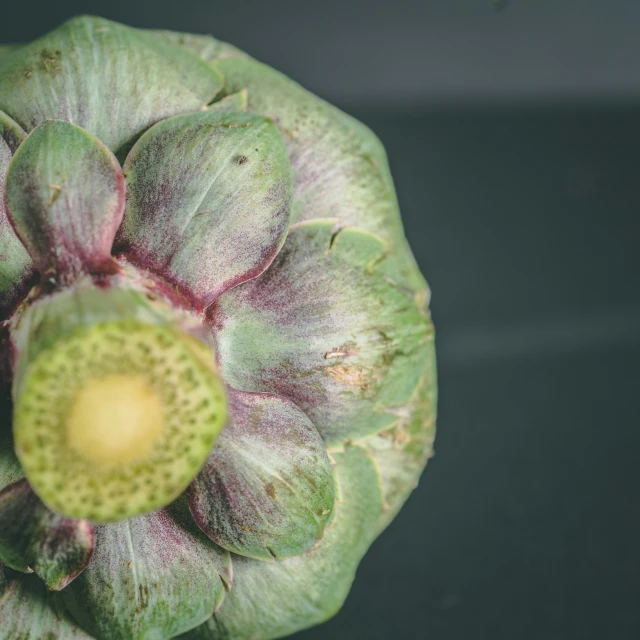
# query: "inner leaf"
208,200
65,198
267,489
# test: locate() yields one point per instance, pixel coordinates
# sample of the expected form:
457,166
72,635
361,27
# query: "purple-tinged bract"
217,366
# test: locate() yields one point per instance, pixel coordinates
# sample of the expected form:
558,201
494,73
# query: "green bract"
217,372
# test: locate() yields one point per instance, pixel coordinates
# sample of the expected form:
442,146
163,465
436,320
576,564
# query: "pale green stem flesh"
116,408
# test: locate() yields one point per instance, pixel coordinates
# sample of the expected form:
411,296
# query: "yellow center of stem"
115,420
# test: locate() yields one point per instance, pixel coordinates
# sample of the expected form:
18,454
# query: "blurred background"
513,131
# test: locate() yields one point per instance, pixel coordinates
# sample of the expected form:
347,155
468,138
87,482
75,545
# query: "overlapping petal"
271,600
10,469
208,201
326,328
28,611
206,47
340,167
267,489
326,338
110,79
34,538
154,576
65,199
16,267
233,102
402,451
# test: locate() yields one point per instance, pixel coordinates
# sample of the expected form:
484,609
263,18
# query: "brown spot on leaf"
241,160
401,437
357,377
343,351
50,62
271,491
143,596
57,190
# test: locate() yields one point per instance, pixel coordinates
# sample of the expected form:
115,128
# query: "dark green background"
513,130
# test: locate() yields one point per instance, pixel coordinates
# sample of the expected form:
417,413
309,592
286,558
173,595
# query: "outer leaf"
271,600
154,576
33,538
29,612
402,451
205,47
10,470
112,80
16,267
234,102
340,167
325,328
16,273
65,198
8,48
267,489
208,201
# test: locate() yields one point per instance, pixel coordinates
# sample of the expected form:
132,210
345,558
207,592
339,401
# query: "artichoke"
218,369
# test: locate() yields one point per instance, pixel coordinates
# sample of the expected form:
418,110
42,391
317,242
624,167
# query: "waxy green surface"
10,469
154,576
65,200
270,600
16,267
29,611
34,538
267,490
271,215
109,79
208,201
325,327
340,167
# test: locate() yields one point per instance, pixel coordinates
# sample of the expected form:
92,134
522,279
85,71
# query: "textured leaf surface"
16,267
271,600
234,102
112,80
33,538
340,167
208,200
402,451
267,489
206,47
65,198
10,470
325,328
29,612
151,577
8,48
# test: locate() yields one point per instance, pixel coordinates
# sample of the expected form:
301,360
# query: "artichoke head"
217,368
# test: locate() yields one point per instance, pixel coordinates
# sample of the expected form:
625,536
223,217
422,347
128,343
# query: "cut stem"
115,407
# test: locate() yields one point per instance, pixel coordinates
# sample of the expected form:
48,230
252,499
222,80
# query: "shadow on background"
514,139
